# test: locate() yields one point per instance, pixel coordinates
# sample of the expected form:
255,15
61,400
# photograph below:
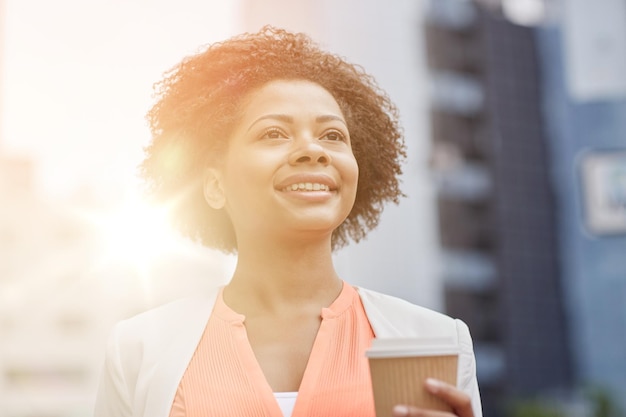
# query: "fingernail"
400,410
433,385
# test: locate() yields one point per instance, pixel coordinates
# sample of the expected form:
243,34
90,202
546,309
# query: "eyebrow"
288,119
329,118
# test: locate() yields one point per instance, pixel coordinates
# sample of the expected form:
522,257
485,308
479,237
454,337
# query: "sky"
77,81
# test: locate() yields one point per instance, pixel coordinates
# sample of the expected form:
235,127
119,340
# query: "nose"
309,152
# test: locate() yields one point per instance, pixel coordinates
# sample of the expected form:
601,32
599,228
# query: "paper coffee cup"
399,368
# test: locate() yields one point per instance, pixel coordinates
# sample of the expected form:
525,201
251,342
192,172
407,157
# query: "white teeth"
307,186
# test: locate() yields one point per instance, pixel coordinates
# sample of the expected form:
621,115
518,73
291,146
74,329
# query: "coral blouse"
224,378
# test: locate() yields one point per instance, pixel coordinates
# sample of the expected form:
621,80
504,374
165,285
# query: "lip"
307,178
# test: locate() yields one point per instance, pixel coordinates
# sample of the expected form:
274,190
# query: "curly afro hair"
198,104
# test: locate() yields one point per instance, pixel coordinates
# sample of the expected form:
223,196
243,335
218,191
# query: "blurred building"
48,352
497,212
59,297
529,156
583,66
51,329
54,314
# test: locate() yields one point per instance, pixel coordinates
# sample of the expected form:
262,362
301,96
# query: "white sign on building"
604,191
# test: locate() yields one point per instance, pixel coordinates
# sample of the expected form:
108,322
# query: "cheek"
351,171
247,178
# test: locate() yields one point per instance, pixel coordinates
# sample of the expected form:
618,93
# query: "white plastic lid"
405,347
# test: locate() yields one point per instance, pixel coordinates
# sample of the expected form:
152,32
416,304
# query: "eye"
273,133
334,136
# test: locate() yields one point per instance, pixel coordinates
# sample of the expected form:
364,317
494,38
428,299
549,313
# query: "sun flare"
136,234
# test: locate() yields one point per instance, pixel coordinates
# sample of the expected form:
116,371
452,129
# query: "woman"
266,146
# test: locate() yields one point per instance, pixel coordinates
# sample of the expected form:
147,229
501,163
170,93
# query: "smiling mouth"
307,186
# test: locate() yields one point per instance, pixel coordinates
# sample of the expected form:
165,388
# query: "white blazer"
148,354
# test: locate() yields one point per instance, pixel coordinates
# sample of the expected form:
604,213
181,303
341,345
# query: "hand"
460,402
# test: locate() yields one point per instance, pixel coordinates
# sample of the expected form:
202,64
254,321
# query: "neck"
274,277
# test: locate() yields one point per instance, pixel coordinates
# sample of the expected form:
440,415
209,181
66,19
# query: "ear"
213,189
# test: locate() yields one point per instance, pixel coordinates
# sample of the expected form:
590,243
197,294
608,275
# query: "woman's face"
289,169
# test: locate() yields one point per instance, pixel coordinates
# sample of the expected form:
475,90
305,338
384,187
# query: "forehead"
290,96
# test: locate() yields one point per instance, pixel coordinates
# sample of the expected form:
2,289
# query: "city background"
514,113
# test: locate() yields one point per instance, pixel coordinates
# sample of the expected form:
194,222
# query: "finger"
457,399
410,411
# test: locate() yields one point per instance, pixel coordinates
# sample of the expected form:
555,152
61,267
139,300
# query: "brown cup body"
400,380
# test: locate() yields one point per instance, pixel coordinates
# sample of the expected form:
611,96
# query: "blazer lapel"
393,317
171,365
381,325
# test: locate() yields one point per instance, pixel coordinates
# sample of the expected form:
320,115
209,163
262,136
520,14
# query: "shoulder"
142,340
167,315
149,350
156,327
394,317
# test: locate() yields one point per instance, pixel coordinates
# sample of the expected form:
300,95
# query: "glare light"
135,234
524,12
